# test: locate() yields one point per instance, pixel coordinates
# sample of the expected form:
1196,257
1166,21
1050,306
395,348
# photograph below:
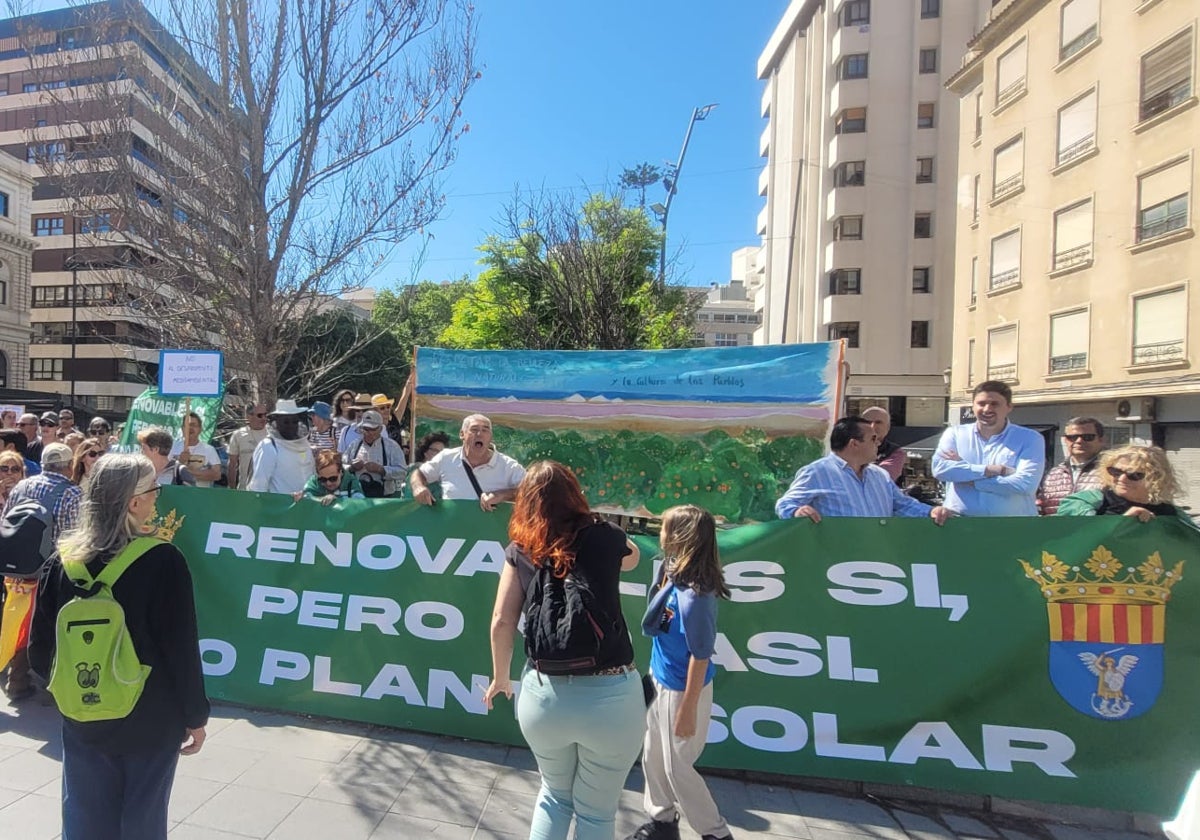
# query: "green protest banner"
1047,659
151,409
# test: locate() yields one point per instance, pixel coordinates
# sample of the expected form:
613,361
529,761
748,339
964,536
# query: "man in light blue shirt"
991,467
847,482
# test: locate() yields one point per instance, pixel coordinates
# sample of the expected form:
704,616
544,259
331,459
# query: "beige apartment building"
1076,251
861,148
16,257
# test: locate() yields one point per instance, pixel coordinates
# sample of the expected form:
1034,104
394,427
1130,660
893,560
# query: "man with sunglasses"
100,429
1084,441
242,444
66,423
28,424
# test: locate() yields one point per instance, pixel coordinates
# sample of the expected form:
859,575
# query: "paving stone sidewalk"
270,775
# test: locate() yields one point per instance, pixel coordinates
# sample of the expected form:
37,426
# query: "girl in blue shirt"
682,621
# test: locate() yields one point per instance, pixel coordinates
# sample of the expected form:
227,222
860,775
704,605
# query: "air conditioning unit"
1138,410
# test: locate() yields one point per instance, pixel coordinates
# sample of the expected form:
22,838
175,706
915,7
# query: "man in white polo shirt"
496,475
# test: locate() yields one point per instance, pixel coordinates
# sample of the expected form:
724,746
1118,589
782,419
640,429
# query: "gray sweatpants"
672,784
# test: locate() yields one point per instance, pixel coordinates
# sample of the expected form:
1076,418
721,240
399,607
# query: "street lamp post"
74,302
670,181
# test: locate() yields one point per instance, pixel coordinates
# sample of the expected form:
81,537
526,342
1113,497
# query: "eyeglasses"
98,428
155,489
91,453
47,423
1134,475
1089,437
329,479
26,423
8,468
259,414
346,400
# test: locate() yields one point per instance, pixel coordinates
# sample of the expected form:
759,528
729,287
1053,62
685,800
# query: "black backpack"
566,630
27,536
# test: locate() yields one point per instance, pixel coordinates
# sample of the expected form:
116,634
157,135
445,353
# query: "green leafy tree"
418,313
561,277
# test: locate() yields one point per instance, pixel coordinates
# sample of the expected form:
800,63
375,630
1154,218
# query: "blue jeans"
115,797
585,733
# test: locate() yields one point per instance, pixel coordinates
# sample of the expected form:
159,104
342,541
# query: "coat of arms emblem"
1107,628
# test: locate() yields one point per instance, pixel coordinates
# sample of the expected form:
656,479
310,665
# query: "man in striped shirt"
847,482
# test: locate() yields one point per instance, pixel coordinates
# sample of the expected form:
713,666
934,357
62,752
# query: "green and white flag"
151,409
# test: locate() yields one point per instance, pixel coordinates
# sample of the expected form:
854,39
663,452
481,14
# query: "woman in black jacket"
117,774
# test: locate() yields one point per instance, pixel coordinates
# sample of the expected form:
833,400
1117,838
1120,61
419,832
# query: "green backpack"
97,674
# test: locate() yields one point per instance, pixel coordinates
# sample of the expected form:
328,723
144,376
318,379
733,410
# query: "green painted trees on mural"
736,478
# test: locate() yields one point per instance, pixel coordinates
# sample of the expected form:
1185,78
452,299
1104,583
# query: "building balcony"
1076,150
764,142
1004,279
1073,257
1158,352
1068,363
1161,226
846,201
1009,186
1010,94
1002,373
763,218
1166,100
849,40
764,180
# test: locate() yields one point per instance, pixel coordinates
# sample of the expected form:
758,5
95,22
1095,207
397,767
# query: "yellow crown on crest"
1104,580
165,527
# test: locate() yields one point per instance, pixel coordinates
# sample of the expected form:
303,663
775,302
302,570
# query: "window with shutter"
1010,74
1080,26
1002,353
1163,200
1008,168
1167,75
1073,235
1077,128
1159,324
1069,334
1006,261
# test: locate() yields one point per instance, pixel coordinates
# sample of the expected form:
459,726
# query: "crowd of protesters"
329,452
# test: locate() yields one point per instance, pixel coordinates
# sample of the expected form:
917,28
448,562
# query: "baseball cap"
49,417
56,455
323,410
371,420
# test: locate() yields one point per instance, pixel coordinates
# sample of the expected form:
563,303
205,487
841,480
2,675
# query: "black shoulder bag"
471,475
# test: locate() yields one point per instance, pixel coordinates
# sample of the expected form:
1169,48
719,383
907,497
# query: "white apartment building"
727,317
1076,239
861,148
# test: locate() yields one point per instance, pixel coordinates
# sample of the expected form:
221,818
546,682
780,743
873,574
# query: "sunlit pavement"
264,774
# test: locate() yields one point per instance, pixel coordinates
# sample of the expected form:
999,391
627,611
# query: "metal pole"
74,301
697,114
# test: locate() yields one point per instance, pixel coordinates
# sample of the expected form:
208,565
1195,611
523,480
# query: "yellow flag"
18,609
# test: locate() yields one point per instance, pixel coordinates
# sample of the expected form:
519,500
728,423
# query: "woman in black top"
117,774
584,727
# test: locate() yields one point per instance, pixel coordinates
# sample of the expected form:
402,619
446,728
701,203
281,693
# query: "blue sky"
572,92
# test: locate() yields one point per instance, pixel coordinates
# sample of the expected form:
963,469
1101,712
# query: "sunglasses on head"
1131,475
1087,436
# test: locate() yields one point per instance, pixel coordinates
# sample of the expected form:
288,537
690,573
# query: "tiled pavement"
274,776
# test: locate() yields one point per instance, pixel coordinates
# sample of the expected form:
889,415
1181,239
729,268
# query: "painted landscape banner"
721,427
1048,659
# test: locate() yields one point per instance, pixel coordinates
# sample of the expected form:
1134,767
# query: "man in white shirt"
283,462
497,475
242,444
377,460
156,445
201,459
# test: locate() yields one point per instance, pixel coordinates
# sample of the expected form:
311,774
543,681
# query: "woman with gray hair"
117,774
